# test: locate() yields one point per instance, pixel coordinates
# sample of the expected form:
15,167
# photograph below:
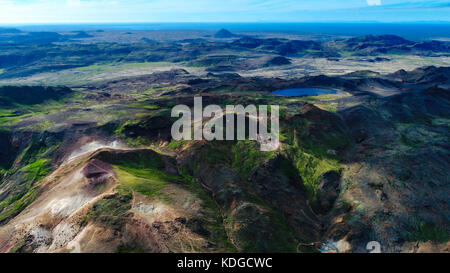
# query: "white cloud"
374,2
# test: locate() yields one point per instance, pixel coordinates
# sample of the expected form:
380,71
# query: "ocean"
412,31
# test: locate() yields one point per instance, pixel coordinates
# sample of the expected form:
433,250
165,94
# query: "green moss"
134,131
113,209
2,173
25,192
330,107
147,182
11,207
17,248
13,117
145,106
312,154
321,146
36,150
423,232
141,171
264,232
310,168
41,126
216,223
325,97
37,170
176,144
17,112
247,156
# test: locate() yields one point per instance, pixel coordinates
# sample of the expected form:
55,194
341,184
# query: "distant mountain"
81,35
223,33
385,40
371,45
31,38
9,30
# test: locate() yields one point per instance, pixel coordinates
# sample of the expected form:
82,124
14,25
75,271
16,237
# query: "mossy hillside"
31,166
312,153
148,182
323,138
324,97
145,106
310,168
244,157
177,144
24,192
247,157
278,239
39,148
133,159
37,170
2,173
259,227
12,116
18,111
422,231
13,206
113,210
147,129
145,176
251,235
215,219
143,171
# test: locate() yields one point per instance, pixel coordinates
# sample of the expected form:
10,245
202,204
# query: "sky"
126,11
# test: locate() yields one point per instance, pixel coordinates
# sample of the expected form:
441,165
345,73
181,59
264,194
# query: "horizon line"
226,22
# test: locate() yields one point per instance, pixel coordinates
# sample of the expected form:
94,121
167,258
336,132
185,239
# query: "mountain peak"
223,33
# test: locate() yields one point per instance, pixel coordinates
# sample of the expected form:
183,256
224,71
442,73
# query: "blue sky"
101,11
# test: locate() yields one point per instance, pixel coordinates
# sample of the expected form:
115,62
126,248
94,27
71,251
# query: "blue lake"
298,92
